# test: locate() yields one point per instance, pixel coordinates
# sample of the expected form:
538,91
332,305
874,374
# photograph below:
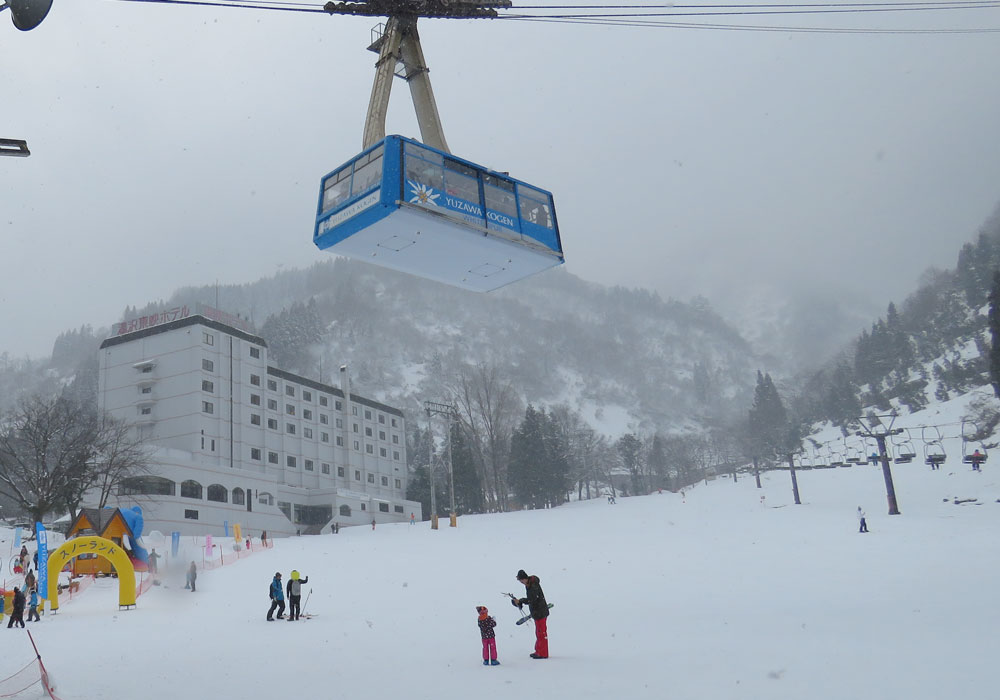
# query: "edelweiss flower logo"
422,194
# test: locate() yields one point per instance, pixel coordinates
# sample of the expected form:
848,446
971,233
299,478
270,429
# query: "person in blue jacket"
33,606
277,598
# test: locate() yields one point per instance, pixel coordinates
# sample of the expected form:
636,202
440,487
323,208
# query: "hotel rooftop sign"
179,312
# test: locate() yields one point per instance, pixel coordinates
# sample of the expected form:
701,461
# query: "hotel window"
254,419
368,415
368,432
290,390
190,489
272,457
255,399
357,446
395,455
190,514
145,410
272,423
340,471
324,437
290,428
307,395
371,478
324,419
208,365
309,465
255,379
369,449
307,414
340,422
397,509
385,481
383,507
399,484
395,439
265,499
272,404
307,433
340,441
272,385
357,475
147,369
381,419
381,435
324,467
207,407
254,455
394,423
255,353
208,338
290,461
290,409
362,506
354,410
382,452
238,496
145,390
337,405
355,426
217,493
323,400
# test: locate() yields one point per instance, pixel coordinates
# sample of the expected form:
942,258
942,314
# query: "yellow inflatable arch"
91,544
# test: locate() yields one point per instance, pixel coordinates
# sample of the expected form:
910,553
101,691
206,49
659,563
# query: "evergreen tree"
630,450
766,421
657,461
527,449
468,485
994,321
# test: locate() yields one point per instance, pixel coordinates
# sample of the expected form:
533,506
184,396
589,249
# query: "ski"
528,617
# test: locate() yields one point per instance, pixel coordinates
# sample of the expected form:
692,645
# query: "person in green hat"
294,591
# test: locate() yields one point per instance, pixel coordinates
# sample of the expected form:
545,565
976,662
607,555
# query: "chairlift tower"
397,44
879,431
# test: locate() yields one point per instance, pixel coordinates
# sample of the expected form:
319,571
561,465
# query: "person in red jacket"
486,625
539,610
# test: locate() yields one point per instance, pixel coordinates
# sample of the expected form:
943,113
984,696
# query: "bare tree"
488,409
54,450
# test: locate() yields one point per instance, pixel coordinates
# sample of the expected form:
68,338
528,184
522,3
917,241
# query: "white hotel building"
235,440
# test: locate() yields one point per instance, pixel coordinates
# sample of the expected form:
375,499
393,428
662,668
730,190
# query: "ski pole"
307,602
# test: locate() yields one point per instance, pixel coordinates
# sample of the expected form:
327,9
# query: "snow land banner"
42,538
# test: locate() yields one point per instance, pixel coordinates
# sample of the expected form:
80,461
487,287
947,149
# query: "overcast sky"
177,146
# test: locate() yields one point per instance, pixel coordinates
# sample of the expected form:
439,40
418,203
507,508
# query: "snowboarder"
192,576
294,595
539,610
862,525
17,612
277,598
486,625
33,606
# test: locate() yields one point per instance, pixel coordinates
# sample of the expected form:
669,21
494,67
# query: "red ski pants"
541,638
490,649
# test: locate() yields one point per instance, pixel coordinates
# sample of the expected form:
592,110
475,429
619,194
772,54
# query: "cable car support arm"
399,45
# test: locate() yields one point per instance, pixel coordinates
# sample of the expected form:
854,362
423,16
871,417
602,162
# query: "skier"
192,575
294,595
33,606
486,625
153,556
373,523
17,612
862,525
539,610
277,598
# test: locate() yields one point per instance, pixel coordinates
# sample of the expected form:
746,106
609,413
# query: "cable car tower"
413,206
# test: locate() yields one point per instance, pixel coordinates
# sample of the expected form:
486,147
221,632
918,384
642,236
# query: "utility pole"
795,481
434,408
879,431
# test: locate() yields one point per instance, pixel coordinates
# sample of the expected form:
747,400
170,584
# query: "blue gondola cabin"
403,205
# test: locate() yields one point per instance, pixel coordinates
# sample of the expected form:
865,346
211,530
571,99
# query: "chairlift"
934,453
905,451
818,460
979,455
856,454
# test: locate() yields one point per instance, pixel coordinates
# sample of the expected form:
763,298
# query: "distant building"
235,440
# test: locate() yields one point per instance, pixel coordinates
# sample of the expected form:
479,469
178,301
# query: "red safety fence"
34,672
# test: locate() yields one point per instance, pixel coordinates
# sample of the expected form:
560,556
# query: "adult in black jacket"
17,613
539,610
